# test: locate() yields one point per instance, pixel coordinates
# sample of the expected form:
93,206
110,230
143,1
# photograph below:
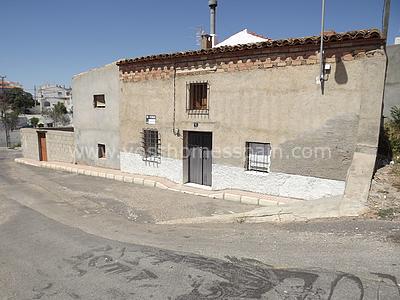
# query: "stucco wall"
311,134
95,126
392,84
59,144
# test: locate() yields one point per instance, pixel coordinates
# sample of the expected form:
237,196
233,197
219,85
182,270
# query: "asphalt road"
50,249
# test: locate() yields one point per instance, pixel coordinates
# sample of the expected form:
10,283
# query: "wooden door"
42,146
200,158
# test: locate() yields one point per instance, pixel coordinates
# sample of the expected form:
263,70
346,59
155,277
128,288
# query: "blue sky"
48,41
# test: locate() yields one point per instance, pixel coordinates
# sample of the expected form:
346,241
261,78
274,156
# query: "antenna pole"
3,111
321,51
385,25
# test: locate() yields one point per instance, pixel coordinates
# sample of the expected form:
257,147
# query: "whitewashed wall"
226,177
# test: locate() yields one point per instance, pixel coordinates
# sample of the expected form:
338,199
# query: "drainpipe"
174,130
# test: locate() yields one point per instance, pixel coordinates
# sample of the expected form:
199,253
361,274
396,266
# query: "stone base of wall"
276,184
168,168
227,177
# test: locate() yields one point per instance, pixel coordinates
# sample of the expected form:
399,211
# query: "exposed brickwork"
346,46
155,71
331,40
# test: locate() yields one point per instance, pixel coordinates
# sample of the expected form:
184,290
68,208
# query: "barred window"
99,101
258,156
198,97
151,145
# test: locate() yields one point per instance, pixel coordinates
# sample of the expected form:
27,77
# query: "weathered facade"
96,126
252,117
258,93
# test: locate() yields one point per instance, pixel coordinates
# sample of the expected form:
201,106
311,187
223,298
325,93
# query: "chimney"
213,8
206,41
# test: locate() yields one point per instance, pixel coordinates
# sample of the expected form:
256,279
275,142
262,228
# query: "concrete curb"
236,196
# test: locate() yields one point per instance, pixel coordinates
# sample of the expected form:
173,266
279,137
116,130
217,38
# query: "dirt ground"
384,197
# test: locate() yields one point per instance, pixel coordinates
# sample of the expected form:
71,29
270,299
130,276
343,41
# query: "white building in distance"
49,95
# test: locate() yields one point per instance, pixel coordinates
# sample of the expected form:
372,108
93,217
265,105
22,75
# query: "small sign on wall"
151,119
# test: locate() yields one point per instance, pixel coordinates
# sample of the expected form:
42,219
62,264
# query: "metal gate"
200,157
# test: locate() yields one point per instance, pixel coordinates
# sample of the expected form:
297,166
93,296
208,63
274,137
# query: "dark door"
42,146
200,158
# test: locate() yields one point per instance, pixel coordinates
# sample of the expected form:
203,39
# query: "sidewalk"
162,183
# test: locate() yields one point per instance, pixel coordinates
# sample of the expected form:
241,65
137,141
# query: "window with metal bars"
151,145
197,98
99,101
258,156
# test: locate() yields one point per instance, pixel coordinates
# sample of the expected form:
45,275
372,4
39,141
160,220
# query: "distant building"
10,85
397,40
49,95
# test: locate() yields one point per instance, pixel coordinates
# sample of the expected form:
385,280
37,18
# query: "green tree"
59,114
13,102
34,121
19,100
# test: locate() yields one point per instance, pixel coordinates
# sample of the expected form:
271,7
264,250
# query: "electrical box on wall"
151,119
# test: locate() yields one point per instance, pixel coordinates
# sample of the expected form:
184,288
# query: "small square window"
258,156
99,101
151,145
101,150
198,97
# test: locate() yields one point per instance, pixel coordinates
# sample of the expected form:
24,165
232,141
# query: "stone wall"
15,137
59,144
29,143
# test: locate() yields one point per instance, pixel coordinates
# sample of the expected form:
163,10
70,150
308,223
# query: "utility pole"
3,111
385,23
321,51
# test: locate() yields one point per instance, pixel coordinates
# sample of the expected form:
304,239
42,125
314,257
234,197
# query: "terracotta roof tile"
369,34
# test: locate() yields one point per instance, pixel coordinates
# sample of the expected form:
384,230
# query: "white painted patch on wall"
168,168
276,184
227,177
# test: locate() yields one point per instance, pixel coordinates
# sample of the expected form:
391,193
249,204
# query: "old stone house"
253,117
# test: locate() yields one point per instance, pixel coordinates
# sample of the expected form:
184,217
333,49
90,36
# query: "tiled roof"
258,35
369,34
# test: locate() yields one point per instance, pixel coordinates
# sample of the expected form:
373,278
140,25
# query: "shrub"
392,128
34,121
